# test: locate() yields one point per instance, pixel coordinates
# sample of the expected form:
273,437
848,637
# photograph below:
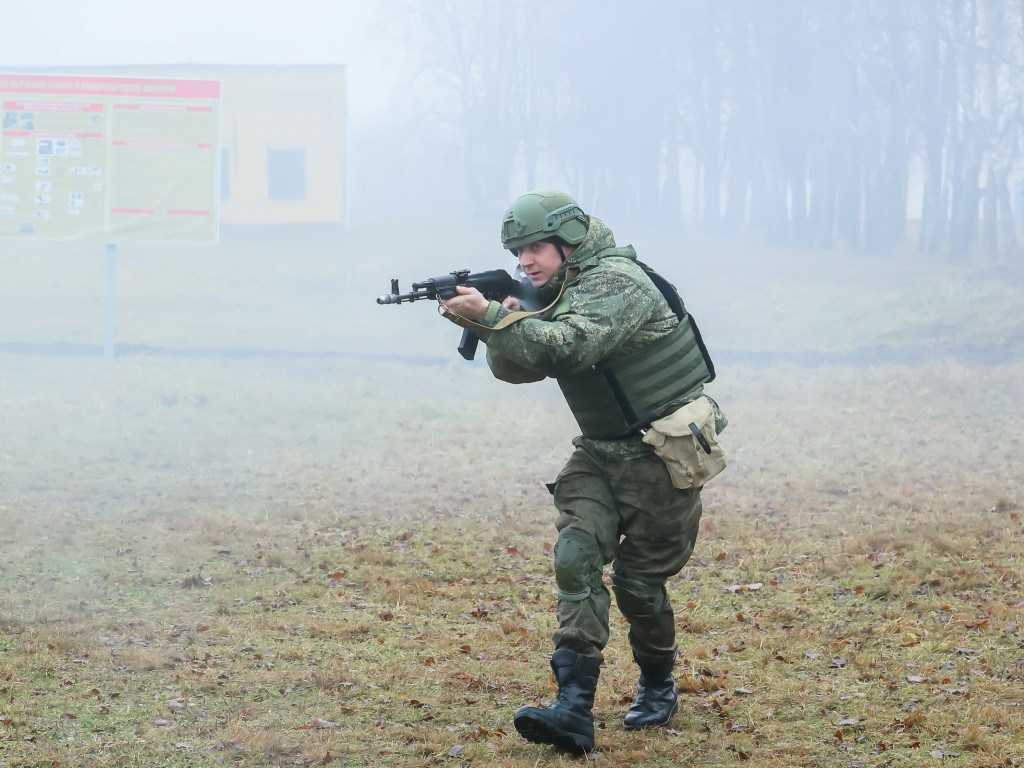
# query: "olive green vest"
618,397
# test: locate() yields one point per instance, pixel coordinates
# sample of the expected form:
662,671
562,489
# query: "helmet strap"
561,253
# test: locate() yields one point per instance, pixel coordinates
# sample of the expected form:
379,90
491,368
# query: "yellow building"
283,138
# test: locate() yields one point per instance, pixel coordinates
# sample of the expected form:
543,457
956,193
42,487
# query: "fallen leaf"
914,718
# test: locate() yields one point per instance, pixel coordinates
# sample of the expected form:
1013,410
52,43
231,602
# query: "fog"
828,184
860,125
248,516
232,32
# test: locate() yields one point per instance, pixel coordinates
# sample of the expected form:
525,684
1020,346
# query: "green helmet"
542,214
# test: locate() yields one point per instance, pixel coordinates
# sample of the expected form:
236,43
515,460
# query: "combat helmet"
540,215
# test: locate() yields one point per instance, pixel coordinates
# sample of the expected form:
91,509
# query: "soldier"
618,340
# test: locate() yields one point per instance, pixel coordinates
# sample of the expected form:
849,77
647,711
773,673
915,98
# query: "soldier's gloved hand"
469,303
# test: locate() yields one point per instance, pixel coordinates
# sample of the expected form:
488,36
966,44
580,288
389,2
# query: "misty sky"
53,34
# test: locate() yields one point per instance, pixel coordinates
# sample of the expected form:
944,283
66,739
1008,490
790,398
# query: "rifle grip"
467,346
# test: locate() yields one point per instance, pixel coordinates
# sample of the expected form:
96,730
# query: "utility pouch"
687,441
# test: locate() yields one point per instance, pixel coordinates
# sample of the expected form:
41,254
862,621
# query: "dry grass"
267,563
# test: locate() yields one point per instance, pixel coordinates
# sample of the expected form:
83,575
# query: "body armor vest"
618,397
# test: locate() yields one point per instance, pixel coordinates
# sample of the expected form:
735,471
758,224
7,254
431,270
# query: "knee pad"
636,599
578,565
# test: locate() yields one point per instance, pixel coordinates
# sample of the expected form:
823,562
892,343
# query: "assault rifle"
495,285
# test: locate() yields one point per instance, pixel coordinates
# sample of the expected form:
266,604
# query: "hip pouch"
687,441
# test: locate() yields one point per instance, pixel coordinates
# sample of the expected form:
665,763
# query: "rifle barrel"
399,298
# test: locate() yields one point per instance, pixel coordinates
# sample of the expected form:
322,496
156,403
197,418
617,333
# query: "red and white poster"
110,159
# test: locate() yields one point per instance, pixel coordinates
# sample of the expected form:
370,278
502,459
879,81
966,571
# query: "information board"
109,159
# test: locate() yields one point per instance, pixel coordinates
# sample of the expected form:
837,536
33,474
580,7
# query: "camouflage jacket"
609,308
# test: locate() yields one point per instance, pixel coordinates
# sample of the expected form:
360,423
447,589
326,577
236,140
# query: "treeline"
820,122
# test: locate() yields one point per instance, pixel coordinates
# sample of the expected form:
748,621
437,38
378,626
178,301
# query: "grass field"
336,550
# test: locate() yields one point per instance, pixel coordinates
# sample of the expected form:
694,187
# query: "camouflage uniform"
615,501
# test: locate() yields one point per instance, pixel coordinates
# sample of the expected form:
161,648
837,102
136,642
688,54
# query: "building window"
286,174
225,174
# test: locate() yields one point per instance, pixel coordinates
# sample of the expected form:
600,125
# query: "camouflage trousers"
632,516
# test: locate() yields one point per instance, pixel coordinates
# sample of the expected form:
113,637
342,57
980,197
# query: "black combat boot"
656,698
569,722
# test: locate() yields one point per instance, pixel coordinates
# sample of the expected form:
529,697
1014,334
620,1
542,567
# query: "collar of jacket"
598,244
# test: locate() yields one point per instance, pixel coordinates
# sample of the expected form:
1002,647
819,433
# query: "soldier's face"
540,261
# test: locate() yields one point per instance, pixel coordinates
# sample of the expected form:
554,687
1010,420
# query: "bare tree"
803,120
466,49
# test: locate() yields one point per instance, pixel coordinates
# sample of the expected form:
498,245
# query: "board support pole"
110,312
